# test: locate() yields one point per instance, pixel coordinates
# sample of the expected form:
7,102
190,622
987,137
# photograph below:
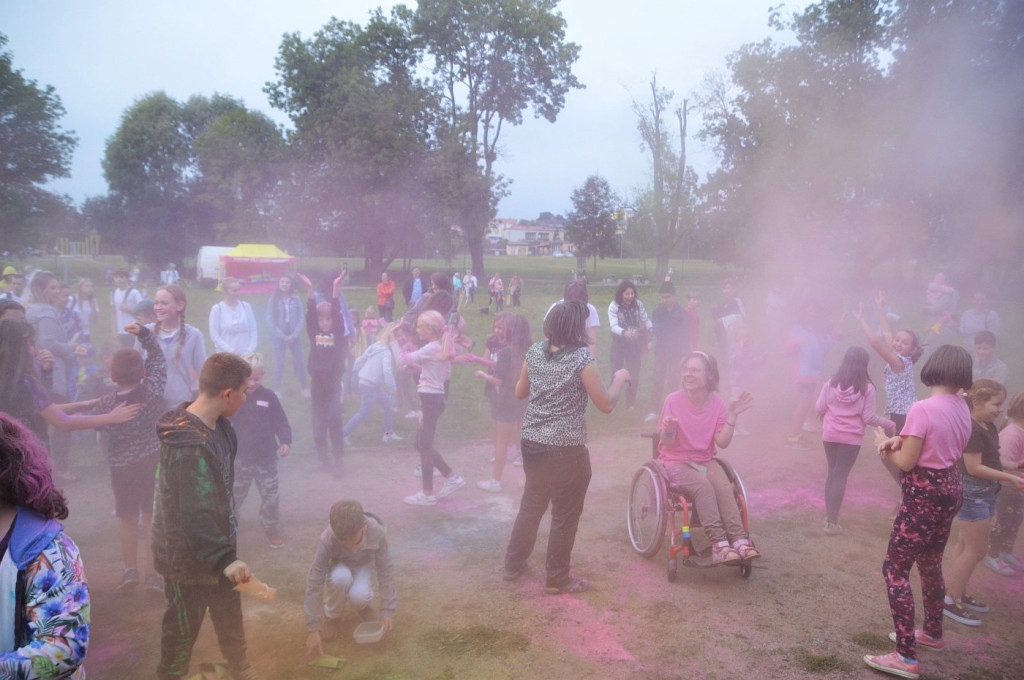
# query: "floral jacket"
44,602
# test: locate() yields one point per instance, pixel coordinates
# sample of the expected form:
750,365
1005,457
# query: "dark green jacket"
194,528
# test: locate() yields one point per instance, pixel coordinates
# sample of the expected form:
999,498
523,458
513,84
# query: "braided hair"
178,293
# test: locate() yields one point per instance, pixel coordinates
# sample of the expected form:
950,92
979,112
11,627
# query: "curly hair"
623,287
26,478
984,390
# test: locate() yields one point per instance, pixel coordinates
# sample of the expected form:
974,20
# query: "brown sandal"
747,552
725,554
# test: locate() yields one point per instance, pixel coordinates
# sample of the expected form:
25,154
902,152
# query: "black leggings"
432,406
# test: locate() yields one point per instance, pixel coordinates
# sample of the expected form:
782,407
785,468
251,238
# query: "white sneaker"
420,498
811,426
305,393
390,437
418,471
492,485
651,417
453,484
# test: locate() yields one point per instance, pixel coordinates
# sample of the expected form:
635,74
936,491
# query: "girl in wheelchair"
695,422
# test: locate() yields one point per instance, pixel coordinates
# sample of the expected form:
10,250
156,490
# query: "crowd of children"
226,430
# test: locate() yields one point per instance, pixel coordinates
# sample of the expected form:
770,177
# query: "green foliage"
184,174
364,130
33,150
591,224
873,130
493,60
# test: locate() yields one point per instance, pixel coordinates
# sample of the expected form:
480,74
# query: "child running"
982,472
926,452
899,351
513,333
435,370
375,379
846,405
263,435
1010,503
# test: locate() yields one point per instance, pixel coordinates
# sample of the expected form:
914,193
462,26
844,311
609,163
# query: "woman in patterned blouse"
558,375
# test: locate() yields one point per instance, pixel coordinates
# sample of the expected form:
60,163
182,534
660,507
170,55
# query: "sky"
102,55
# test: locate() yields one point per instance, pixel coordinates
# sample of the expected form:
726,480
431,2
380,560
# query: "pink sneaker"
894,665
923,640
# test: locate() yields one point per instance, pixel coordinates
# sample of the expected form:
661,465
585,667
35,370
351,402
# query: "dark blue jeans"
559,475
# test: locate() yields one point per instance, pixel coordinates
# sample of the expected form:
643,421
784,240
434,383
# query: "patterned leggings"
931,499
1009,514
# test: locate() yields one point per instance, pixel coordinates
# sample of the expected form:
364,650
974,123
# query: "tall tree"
364,129
797,130
33,150
494,60
181,174
239,156
669,207
591,225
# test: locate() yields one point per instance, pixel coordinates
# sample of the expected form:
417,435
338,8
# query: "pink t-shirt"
1011,447
944,423
695,434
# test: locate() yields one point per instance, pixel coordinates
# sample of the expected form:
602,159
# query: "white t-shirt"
129,297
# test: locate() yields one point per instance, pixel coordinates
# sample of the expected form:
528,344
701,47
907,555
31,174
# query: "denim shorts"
979,499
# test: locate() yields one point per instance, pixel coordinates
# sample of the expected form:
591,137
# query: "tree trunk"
476,256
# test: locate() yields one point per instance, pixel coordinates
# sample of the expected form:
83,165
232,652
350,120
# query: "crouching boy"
349,551
194,527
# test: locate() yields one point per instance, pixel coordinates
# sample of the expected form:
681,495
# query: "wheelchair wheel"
745,570
673,570
646,514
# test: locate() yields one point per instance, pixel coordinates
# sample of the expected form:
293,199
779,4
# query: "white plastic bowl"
369,631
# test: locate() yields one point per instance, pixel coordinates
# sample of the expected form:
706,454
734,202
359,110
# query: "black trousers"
325,403
559,475
186,608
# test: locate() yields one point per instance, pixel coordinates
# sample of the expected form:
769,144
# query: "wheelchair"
653,508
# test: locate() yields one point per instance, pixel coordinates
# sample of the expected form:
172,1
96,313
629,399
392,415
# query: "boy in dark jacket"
194,528
328,347
263,435
133,449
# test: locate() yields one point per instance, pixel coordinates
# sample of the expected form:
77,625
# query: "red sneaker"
923,640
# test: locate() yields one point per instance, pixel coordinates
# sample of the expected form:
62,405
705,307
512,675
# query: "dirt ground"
812,607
